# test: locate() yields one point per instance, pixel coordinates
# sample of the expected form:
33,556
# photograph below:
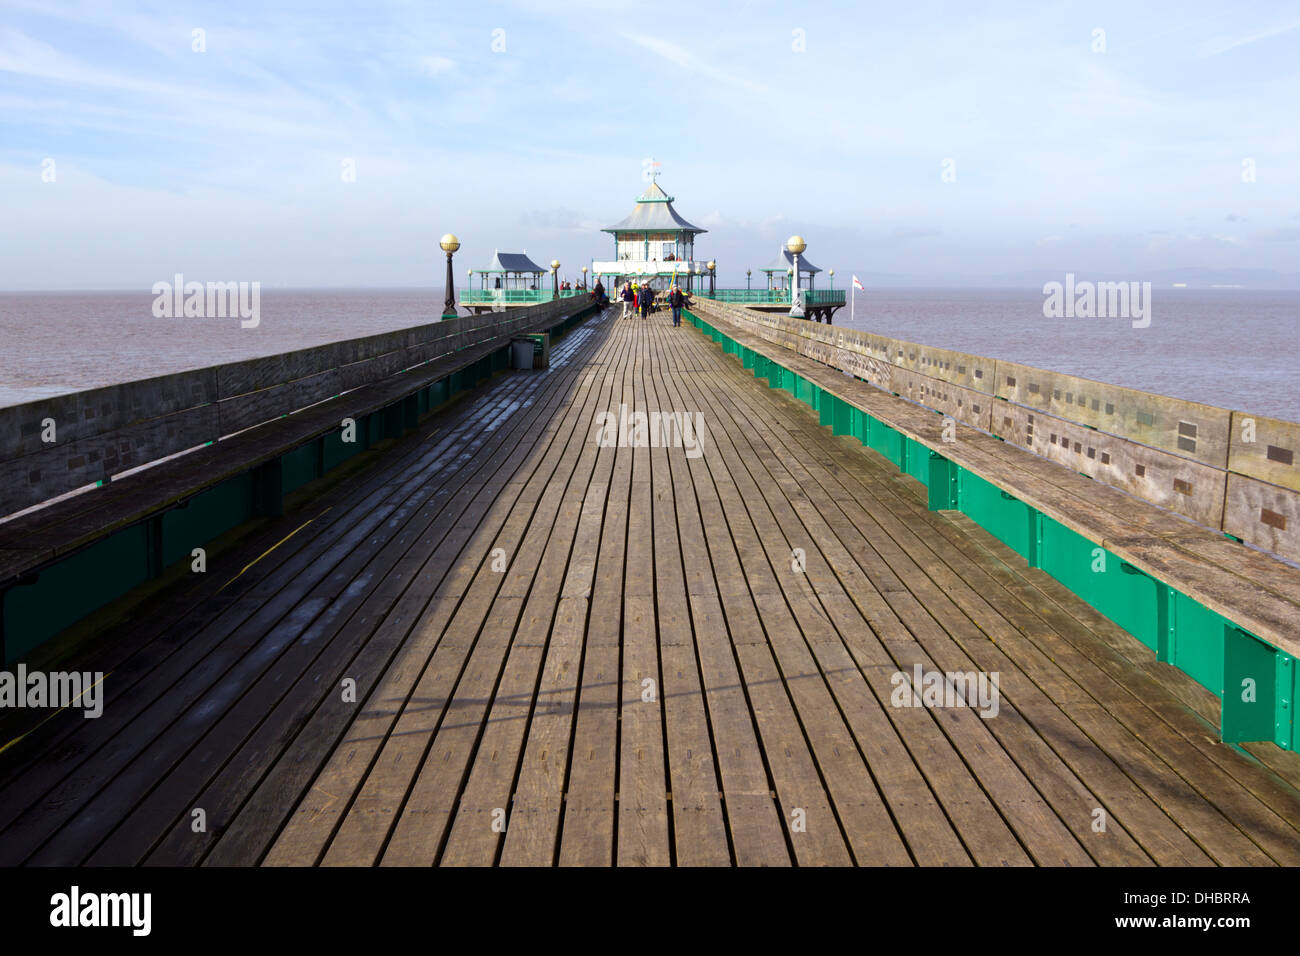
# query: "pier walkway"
565,653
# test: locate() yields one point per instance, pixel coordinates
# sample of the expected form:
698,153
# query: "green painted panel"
1198,642
73,588
1099,577
858,426
1249,693
824,403
337,451
842,417
1007,519
207,515
942,483
916,460
439,392
887,441
299,467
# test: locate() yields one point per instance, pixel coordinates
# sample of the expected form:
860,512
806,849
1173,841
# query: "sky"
331,144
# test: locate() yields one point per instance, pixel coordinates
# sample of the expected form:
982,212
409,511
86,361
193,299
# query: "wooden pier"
571,653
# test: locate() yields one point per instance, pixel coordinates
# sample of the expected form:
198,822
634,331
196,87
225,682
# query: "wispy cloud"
1224,44
526,142
680,56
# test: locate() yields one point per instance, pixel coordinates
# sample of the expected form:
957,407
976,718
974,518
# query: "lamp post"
555,278
796,245
831,273
748,273
584,277
712,267
449,244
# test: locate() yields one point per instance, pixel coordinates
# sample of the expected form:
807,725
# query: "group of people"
640,297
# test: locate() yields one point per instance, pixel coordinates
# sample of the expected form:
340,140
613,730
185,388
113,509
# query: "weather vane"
650,169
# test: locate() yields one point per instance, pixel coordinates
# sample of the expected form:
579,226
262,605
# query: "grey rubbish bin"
521,353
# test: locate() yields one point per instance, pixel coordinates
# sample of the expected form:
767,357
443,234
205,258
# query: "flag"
858,285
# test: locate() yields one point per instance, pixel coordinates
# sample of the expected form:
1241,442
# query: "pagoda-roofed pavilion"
778,271
510,280
653,242
511,270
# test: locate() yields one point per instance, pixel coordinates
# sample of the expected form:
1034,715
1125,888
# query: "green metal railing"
774,296
1214,651
748,296
515,296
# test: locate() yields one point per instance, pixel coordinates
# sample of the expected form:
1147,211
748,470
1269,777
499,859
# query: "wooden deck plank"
699,825
394,571
859,808
476,637
320,813
158,652
518,697
537,573
968,805
588,825
892,560
643,828
1044,770
1239,846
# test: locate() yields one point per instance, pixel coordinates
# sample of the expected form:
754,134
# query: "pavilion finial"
650,169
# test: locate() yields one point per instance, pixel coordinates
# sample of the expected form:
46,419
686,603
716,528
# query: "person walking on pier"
626,296
647,301
676,300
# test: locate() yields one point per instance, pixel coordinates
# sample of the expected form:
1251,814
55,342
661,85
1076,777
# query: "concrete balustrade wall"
104,431
1229,470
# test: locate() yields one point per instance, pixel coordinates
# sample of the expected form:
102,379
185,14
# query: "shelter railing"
514,296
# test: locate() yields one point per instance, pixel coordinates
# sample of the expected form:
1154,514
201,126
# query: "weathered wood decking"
650,679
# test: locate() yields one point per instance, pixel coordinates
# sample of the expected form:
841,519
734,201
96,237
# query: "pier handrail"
1153,540
1222,612
102,431
1229,470
244,422
774,296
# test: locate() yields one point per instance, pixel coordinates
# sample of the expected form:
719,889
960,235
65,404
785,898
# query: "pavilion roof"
785,262
654,212
512,262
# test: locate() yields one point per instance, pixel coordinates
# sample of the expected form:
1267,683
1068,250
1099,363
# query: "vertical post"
1035,538
795,245
943,483
1284,705
1165,649
449,244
